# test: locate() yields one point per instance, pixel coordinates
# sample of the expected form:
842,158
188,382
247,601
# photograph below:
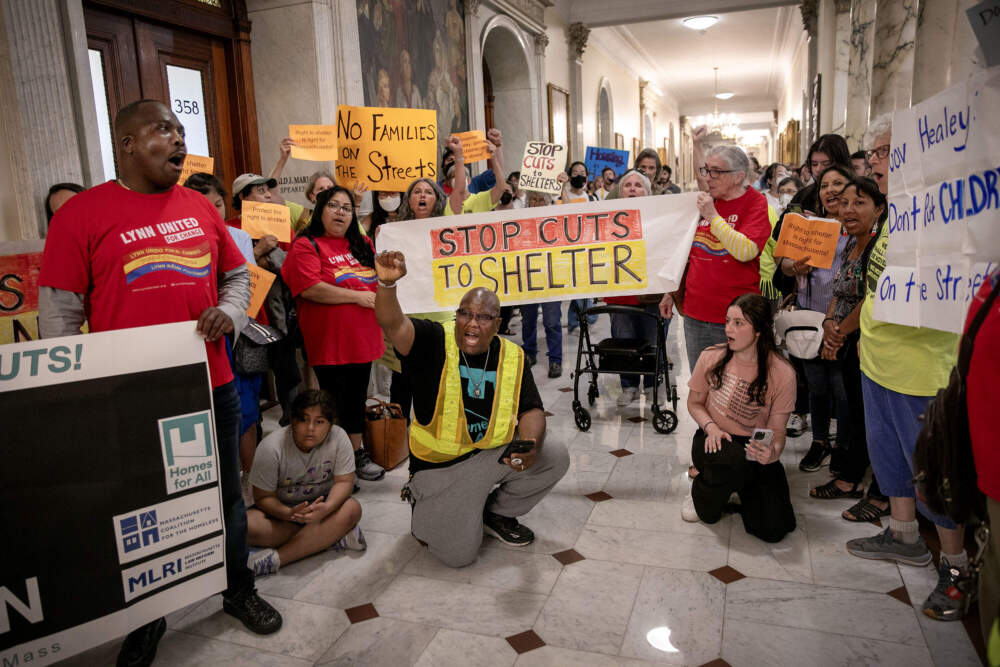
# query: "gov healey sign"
109,488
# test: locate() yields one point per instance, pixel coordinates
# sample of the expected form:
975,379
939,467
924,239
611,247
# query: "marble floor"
615,577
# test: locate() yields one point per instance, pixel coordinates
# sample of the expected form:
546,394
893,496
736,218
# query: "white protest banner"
944,206
541,166
109,480
532,255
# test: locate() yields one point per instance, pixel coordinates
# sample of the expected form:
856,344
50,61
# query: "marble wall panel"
859,71
892,67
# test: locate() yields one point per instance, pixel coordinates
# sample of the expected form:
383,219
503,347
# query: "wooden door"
188,70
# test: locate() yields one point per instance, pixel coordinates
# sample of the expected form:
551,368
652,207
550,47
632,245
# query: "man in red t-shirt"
725,255
141,251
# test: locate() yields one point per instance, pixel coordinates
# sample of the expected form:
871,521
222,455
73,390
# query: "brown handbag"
386,437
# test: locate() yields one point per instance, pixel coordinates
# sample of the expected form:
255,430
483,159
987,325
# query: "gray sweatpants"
448,502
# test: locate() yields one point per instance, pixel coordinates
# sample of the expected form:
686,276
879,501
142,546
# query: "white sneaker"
796,426
264,562
688,512
354,540
628,396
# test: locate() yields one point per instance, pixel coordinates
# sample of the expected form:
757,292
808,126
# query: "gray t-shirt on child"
296,476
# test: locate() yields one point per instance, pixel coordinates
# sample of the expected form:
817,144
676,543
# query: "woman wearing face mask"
385,206
575,190
814,291
787,189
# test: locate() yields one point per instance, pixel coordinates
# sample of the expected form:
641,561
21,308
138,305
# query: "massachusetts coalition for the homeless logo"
157,528
188,458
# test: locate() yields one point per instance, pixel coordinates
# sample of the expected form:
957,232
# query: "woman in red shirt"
330,272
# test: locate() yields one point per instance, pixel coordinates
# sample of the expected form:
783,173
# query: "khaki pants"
448,502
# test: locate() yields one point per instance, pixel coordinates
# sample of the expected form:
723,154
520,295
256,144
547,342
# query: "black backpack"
945,469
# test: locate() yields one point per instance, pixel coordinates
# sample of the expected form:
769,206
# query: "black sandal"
864,511
831,491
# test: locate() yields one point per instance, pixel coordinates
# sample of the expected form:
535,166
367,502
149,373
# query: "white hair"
616,191
881,124
734,156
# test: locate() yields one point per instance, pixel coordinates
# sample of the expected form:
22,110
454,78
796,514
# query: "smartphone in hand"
760,440
516,447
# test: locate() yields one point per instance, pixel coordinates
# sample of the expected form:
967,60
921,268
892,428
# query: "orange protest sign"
815,238
385,148
260,283
196,164
260,219
474,147
317,143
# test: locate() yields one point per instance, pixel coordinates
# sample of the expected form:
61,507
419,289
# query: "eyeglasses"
713,172
882,152
482,318
346,208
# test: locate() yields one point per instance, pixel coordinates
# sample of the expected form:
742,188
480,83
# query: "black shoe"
555,369
529,360
813,460
140,645
507,530
255,612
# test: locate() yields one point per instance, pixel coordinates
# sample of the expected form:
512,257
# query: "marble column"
577,39
892,67
859,71
47,106
842,60
943,28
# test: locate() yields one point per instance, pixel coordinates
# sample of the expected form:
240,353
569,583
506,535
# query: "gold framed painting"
635,148
559,117
619,141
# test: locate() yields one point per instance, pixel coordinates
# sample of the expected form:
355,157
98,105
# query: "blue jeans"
893,423
698,335
227,434
578,306
551,320
640,327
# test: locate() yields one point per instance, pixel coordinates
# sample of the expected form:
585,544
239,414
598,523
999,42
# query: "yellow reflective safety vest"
447,435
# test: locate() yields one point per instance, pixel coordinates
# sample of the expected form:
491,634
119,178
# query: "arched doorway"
507,91
605,121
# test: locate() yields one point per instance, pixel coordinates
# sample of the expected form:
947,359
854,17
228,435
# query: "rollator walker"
624,356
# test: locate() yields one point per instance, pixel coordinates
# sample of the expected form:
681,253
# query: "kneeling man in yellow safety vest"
472,397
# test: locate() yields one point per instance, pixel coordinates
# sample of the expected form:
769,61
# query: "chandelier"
724,124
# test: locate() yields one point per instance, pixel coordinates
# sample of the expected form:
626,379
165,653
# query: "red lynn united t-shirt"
334,334
714,277
142,259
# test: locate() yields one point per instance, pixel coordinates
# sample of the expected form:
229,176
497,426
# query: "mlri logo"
140,530
186,437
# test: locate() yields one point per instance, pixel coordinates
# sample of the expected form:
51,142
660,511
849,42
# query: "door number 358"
189,107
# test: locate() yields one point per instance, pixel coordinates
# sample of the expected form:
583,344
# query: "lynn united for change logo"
188,451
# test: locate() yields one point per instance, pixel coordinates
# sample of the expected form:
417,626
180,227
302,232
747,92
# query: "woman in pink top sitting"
741,394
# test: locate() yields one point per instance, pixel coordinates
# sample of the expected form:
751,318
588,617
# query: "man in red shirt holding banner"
141,251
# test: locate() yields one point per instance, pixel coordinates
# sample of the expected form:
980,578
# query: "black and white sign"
109,492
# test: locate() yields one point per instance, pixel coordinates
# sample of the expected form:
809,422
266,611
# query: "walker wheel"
664,421
582,418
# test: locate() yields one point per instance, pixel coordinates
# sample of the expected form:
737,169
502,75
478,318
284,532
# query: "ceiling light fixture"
700,22
724,124
724,96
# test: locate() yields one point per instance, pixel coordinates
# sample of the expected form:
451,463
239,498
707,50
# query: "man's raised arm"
390,266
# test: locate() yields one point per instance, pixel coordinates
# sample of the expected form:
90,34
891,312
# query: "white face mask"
390,204
785,200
